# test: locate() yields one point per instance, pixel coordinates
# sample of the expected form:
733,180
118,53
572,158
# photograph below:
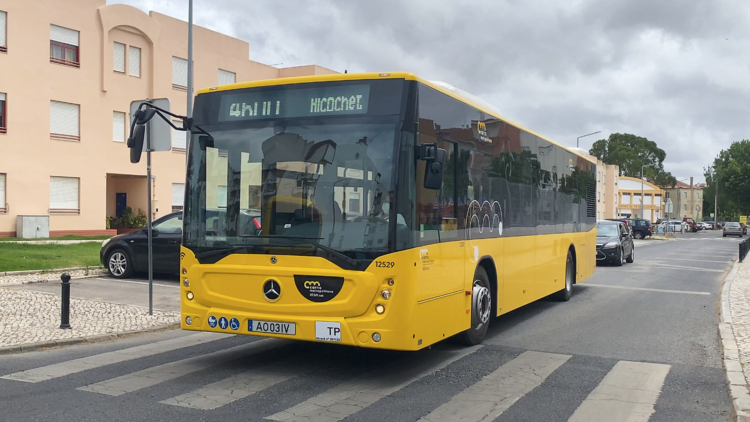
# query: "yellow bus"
374,210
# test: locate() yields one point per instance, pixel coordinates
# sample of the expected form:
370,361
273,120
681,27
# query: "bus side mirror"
135,143
433,172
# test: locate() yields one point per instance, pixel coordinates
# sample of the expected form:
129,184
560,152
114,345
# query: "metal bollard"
65,308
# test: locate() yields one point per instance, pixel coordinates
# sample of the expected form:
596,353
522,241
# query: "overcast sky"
676,72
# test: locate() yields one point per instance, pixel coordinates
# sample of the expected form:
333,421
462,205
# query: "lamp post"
583,136
642,167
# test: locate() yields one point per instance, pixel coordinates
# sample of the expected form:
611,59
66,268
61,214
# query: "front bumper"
609,254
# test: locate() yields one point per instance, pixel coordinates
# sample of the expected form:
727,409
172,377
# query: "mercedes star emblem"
272,290
273,260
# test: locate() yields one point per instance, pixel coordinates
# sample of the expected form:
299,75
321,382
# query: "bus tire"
481,309
570,275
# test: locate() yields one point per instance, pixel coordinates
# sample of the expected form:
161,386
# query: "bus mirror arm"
143,115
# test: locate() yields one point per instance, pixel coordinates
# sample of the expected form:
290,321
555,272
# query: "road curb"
738,387
28,347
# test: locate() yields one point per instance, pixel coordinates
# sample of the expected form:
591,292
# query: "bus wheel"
481,309
570,274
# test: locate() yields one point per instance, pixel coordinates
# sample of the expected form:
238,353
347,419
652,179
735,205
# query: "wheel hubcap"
117,264
482,305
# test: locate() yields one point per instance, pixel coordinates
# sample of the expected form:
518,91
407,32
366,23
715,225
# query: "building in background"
630,199
687,200
607,179
69,73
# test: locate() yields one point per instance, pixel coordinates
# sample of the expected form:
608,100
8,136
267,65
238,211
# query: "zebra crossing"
629,391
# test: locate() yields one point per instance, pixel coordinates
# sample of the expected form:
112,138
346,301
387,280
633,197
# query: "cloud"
674,71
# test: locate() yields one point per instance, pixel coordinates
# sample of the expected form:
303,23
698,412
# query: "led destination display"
289,103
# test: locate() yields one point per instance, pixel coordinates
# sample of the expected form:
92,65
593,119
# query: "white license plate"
287,328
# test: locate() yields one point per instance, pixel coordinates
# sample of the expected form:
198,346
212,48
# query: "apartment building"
687,200
70,70
607,200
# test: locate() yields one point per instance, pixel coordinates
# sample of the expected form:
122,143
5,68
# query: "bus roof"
439,86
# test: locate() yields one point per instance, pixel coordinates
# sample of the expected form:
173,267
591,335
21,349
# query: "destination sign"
288,103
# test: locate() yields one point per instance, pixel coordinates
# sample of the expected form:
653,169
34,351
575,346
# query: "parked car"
614,243
640,228
126,254
709,225
691,224
733,228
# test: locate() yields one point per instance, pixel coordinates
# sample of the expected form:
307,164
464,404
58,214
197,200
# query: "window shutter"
63,35
64,118
134,63
119,57
179,137
178,194
63,193
118,126
2,191
179,71
226,77
3,26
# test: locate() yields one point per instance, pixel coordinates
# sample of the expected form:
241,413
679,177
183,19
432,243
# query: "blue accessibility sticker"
212,321
234,324
223,323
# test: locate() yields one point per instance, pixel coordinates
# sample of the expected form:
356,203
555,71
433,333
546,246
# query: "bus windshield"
317,188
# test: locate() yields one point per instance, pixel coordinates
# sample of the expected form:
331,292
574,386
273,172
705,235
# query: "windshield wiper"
310,241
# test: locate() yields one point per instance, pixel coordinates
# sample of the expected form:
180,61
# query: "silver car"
733,228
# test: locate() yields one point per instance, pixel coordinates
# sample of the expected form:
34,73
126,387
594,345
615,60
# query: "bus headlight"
190,295
386,294
188,320
391,282
376,337
379,309
186,282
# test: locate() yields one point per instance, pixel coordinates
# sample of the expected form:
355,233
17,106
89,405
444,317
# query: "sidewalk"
100,308
735,335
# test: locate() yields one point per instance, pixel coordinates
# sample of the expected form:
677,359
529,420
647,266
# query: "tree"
630,152
731,169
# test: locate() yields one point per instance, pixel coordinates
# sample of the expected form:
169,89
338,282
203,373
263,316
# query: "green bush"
129,219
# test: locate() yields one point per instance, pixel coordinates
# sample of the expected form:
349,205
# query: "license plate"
287,328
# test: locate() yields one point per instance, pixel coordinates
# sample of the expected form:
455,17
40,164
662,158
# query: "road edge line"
738,387
28,347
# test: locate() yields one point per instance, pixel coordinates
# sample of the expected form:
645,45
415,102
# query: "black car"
125,254
640,228
614,243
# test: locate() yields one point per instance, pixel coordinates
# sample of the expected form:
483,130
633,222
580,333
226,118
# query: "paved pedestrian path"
32,318
739,302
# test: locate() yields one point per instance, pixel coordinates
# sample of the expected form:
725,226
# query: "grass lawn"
19,257
68,237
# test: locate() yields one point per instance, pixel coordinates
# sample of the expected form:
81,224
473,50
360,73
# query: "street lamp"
642,167
583,136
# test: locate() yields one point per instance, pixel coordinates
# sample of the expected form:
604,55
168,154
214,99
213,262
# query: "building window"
179,73
63,195
3,113
684,195
3,31
3,205
178,196
118,57
684,207
64,121
666,194
226,77
134,61
118,126
697,195
63,46
354,203
179,138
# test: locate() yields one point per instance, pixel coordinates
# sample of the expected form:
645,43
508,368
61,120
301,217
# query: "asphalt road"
639,341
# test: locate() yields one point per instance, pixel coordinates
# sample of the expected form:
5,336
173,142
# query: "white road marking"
61,369
494,394
627,393
177,286
702,254
158,374
682,267
685,259
352,396
239,386
687,292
